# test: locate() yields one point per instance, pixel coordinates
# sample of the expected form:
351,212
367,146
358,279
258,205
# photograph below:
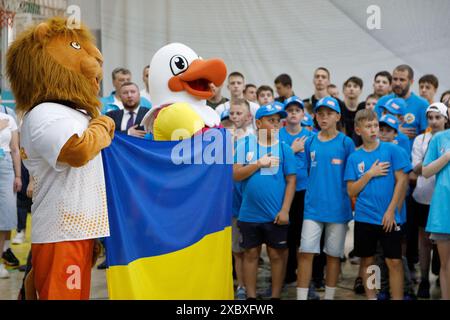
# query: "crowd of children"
305,168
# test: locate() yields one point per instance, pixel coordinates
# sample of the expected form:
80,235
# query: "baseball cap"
328,102
225,115
390,120
395,106
438,107
271,109
294,100
307,120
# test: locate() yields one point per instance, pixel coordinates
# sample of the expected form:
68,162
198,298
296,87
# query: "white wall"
263,38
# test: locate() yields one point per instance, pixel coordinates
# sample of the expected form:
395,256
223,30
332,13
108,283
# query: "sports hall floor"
9,288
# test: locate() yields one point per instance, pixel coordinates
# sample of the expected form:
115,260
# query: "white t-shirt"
424,187
118,103
69,203
146,95
226,106
5,134
126,117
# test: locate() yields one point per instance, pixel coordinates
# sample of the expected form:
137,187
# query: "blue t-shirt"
302,170
415,116
403,141
373,201
326,198
439,216
263,192
238,185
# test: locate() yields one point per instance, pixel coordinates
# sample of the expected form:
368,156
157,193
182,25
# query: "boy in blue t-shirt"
437,162
294,135
327,205
376,176
267,169
389,129
238,115
396,107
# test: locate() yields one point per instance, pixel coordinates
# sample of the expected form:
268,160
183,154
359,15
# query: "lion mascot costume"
55,72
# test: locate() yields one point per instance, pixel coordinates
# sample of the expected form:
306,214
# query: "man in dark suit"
129,118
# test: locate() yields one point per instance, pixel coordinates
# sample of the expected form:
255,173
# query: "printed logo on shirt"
361,167
410,118
337,161
249,156
444,149
313,159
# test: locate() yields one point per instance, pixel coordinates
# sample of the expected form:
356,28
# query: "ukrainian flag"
170,222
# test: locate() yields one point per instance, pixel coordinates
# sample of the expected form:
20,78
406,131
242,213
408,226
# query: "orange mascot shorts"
62,270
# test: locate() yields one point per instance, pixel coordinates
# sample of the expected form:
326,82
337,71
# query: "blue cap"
271,109
328,102
307,121
390,120
294,100
225,115
395,106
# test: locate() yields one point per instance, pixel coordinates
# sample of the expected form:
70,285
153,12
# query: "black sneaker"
358,288
424,290
319,285
351,254
409,296
10,259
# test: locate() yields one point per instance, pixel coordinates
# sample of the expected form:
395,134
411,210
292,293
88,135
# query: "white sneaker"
19,238
4,274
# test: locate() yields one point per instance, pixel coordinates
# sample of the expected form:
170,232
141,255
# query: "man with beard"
129,118
415,117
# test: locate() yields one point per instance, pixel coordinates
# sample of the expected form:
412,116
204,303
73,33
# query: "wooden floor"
9,288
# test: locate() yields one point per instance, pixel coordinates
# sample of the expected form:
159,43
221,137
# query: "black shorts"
255,234
420,213
367,235
296,219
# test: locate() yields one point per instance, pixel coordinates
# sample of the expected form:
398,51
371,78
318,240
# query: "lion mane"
36,76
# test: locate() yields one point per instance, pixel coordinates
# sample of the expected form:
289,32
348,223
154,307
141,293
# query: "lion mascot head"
52,62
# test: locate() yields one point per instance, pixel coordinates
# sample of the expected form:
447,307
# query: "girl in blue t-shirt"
436,162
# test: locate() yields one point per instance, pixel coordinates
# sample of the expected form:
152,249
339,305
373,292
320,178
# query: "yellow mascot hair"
36,77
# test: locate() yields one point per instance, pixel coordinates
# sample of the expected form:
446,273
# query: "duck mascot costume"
55,72
179,84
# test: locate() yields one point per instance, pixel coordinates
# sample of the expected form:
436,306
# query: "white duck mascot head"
179,84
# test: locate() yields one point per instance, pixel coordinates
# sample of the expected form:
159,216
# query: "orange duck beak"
196,79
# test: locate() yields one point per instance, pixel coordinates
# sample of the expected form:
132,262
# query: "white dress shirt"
126,117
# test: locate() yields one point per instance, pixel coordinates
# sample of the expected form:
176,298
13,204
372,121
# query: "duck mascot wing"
179,84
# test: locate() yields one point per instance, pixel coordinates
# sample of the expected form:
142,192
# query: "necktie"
130,122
